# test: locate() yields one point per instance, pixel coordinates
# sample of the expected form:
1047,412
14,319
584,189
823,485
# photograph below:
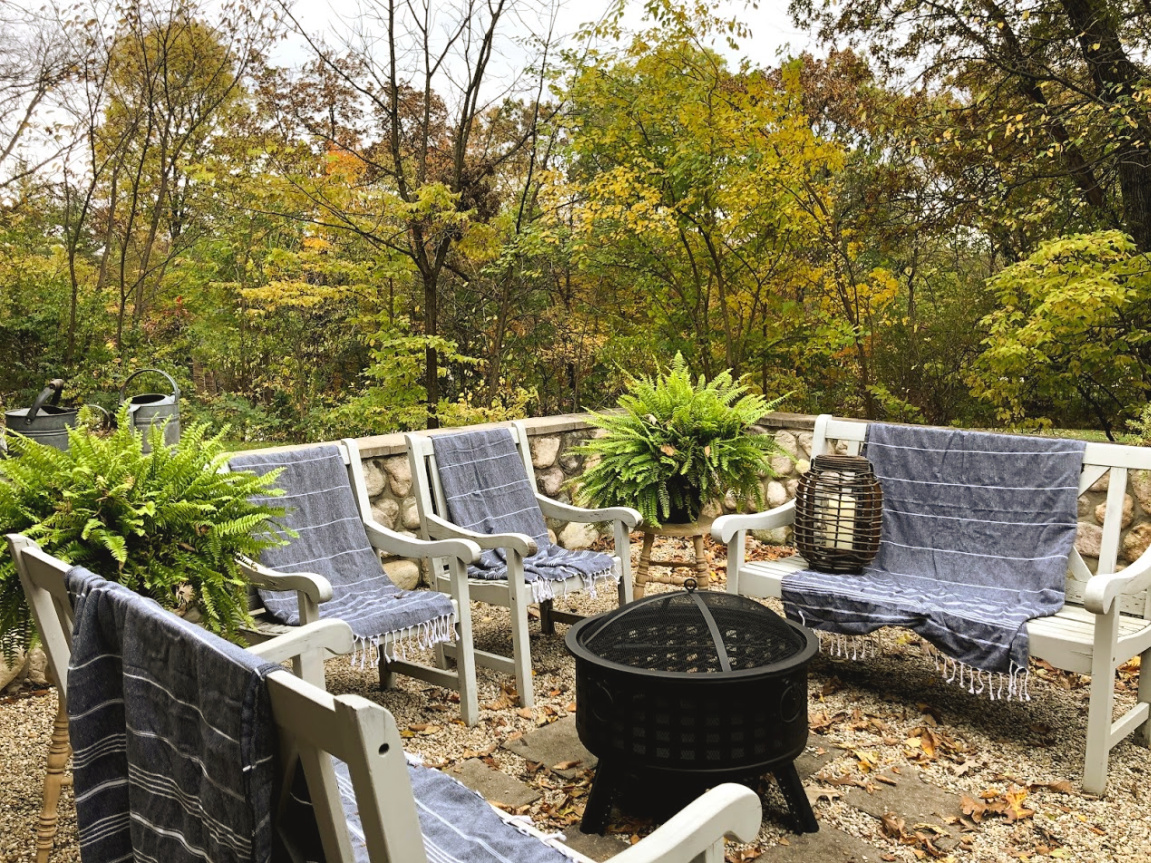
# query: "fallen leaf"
817,793
1063,786
567,765
1015,810
892,825
972,808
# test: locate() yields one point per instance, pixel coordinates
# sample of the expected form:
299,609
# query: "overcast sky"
772,32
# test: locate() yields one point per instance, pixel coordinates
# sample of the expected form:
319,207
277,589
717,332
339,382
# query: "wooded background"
945,216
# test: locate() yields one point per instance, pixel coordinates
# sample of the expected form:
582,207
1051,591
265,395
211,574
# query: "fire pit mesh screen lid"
694,632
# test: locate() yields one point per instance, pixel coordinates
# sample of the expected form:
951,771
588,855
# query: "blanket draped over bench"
487,491
977,529
331,542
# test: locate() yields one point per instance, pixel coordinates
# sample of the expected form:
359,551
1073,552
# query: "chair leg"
521,646
1100,709
310,667
58,752
1142,734
387,677
547,622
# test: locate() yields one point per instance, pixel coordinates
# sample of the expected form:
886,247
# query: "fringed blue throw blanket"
332,542
171,732
487,491
977,529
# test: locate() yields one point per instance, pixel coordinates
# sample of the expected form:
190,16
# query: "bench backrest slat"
1100,460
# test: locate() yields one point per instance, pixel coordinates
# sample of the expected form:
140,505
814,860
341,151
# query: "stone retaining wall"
389,478
552,438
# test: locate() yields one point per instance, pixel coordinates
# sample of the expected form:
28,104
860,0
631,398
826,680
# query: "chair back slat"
42,577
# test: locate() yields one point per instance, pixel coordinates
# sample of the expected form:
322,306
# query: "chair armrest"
520,542
1102,590
726,526
397,544
569,512
315,587
335,636
726,810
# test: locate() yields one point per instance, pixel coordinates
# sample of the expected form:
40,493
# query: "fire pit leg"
796,797
598,808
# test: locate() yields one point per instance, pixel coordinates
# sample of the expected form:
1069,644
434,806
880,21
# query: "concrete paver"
554,744
493,785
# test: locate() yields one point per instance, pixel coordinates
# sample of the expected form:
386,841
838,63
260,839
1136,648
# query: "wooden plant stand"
700,564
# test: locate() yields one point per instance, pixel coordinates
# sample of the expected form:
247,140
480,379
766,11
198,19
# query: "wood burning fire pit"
692,687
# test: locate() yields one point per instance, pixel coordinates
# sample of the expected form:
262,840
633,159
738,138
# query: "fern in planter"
166,523
676,445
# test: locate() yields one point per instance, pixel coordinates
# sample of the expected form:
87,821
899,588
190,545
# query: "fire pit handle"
690,584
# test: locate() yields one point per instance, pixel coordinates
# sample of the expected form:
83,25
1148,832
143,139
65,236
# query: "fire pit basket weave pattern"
692,684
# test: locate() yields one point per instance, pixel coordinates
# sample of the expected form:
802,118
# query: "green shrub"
166,523
677,445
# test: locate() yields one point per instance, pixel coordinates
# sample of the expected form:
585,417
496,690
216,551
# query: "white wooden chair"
1105,621
316,728
513,593
312,589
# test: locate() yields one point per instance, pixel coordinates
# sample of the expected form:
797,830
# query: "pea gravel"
869,715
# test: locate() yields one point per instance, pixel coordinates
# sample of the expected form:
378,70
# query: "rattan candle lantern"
838,514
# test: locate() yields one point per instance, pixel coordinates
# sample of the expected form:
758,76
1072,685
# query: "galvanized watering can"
45,422
149,409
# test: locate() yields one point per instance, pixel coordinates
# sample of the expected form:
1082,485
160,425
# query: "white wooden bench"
1105,621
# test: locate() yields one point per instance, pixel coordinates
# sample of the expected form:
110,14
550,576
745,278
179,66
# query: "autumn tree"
1071,339
36,59
410,99
1046,87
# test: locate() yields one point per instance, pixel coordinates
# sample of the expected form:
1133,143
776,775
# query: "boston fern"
676,445
166,523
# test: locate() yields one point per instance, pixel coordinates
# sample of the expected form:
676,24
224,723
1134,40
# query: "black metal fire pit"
692,687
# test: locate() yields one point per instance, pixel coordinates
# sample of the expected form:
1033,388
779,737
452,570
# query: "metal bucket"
44,422
149,409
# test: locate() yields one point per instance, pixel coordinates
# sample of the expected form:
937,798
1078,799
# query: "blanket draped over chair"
457,824
977,529
171,732
331,542
487,491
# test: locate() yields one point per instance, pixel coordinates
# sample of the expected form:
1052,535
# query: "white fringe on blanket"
393,645
842,646
544,589
999,685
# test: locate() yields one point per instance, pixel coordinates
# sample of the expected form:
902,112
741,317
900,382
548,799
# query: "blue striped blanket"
171,733
331,542
977,529
487,491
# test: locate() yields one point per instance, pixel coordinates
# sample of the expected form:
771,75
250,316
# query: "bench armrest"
726,810
334,636
727,526
1102,590
315,587
520,542
398,545
569,512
